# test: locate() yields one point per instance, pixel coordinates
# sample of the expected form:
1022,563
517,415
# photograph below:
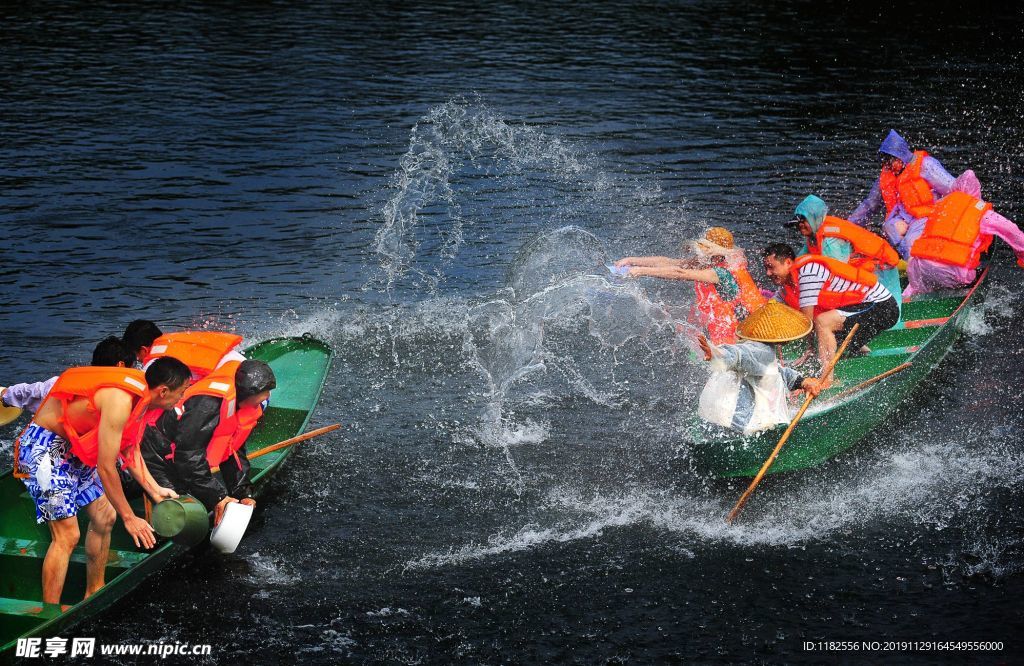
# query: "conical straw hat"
774,322
8,414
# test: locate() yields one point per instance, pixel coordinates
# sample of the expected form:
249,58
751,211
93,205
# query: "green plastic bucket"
185,520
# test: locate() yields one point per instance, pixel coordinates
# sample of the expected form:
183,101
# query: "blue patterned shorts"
59,482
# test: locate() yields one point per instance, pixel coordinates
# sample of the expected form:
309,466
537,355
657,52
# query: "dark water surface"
433,190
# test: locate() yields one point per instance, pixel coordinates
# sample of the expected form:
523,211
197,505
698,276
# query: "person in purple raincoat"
903,171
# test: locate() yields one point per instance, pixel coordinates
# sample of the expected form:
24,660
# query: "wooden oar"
785,436
863,385
289,442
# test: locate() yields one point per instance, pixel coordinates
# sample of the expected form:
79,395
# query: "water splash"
562,332
905,486
423,220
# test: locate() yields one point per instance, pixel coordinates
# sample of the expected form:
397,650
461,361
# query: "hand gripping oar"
289,442
785,436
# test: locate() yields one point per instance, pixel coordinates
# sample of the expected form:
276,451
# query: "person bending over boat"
748,389
202,351
960,228
832,294
109,353
724,289
908,186
67,458
208,430
840,239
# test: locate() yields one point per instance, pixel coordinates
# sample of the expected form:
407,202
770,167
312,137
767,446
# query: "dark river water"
433,190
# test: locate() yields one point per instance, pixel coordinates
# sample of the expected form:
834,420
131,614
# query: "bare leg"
97,542
64,536
825,326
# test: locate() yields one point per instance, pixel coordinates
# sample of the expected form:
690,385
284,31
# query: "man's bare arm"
140,472
115,407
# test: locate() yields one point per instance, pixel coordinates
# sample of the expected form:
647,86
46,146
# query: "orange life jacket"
908,188
868,248
83,431
718,316
201,351
827,298
952,230
235,422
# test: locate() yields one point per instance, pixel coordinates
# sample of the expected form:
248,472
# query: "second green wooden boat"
300,365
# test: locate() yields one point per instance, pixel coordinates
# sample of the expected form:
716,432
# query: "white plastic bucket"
229,532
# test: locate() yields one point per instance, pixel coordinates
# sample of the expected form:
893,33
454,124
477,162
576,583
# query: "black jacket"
189,472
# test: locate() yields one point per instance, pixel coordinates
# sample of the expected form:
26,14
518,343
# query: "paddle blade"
9,415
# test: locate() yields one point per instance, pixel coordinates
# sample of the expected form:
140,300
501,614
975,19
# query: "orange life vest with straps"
951,233
828,299
83,429
908,188
201,351
718,316
235,423
868,249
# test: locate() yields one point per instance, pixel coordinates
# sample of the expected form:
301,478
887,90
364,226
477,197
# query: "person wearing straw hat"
748,389
725,292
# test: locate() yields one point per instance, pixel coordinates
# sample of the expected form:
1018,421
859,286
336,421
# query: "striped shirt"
813,276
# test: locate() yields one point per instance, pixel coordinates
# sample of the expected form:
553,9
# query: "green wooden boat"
838,419
300,365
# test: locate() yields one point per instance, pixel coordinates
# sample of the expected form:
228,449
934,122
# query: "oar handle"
289,442
864,384
785,436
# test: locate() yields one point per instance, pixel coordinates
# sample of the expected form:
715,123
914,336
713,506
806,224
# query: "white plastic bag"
771,404
717,403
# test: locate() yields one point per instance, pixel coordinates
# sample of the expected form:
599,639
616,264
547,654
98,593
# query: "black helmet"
253,377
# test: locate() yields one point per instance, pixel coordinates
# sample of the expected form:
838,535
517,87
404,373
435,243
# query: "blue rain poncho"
814,210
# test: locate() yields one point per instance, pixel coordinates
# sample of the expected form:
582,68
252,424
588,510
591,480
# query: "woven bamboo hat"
774,322
716,241
8,414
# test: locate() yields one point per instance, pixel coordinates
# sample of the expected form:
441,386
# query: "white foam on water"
387,611
999,304
506,434
337,641
263,571
933,485
526,538
322,324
